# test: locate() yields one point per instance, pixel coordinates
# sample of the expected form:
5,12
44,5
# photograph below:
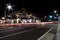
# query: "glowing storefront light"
3,18
29,20
23,21
18,20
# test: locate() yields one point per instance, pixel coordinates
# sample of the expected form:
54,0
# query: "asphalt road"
24,33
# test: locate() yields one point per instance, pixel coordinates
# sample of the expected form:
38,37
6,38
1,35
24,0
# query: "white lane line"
16,33
45,34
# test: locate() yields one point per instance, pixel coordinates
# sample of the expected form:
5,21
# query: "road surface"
16,33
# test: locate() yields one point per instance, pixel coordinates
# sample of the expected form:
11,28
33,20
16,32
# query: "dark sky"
41,7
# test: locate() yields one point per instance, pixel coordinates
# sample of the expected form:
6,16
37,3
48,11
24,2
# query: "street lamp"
55,11
9,7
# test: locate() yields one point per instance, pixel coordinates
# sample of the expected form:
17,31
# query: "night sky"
40,8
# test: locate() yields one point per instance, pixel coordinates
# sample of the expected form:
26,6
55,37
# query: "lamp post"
9,7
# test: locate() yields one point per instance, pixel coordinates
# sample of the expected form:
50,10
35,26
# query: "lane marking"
17,33
45,34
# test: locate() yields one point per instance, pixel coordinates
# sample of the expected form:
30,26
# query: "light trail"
27,24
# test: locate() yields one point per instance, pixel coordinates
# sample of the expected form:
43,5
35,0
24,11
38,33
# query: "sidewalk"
49,36
58,32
